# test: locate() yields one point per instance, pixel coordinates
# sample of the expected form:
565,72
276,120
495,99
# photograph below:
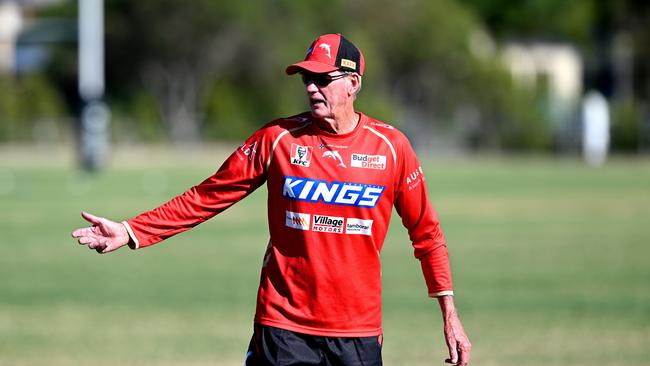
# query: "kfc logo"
301,155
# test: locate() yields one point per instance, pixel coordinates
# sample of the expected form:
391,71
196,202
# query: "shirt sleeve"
242,173
421,221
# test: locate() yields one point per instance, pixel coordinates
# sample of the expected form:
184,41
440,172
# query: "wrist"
447,306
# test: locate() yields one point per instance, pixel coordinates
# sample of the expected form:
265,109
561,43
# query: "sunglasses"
321,80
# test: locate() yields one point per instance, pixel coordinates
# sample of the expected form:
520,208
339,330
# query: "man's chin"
319,112
316,113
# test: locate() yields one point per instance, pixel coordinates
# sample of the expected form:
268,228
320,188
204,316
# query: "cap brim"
311,66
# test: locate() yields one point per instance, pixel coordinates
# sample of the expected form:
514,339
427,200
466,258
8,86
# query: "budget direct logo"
327,224
301,155
297,220
338,193
358,226
377,162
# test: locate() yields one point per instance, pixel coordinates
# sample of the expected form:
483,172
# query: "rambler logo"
358,226
298,220
377,162
328,224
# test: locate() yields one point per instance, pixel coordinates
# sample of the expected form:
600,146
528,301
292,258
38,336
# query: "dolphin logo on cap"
326,47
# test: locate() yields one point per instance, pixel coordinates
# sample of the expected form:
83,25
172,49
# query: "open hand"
104,235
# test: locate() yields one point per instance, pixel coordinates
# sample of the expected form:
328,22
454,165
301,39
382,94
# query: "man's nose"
311,87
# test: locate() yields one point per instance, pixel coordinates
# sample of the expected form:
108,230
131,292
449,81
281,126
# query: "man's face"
327,92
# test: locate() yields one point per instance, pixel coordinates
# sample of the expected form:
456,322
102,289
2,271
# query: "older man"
333,176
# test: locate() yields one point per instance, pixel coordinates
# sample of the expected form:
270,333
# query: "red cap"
330,52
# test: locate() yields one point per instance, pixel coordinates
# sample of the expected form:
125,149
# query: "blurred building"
23,35
557,70
11,22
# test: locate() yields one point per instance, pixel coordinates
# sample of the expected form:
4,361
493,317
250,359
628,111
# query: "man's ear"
354,84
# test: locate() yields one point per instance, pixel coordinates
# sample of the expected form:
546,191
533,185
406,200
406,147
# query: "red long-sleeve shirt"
330,198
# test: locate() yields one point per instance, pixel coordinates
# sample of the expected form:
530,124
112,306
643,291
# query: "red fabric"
330,199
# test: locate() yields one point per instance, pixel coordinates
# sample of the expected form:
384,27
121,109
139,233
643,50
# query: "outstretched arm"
457,341
104,235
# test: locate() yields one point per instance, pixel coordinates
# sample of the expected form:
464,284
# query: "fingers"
86,231
93,236
91,218
88,238
463,355
99,247
453,353
81,232
459,350
95,244
463,349
85,240
106,249
86,235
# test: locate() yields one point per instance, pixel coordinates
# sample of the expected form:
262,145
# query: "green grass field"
551,262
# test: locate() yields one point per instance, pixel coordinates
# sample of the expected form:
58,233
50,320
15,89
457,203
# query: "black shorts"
279,347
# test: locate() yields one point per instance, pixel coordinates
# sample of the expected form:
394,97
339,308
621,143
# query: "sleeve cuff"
133,243
441,293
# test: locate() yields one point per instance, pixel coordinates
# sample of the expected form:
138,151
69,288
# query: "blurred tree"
175,50
626,126
554,19
614,37
217,67
31,110
438,75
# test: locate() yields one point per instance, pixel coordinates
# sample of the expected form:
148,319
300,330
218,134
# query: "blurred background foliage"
214,70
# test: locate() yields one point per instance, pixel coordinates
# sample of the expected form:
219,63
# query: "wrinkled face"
327,92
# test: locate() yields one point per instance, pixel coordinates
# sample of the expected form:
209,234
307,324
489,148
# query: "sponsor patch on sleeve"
414,178
247,151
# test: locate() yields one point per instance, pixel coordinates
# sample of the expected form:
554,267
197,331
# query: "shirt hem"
321,331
